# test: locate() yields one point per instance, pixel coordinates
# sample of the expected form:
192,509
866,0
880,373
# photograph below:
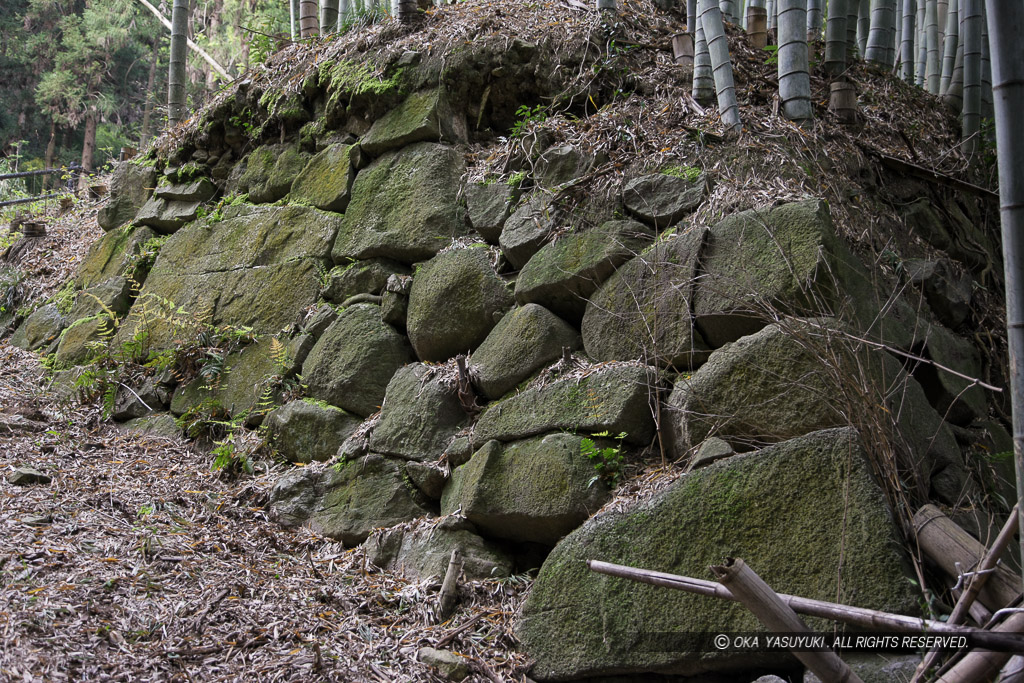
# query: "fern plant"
608,461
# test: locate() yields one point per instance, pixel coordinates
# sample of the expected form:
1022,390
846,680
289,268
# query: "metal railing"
73,172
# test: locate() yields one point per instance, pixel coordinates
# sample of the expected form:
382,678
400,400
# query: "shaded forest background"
91,75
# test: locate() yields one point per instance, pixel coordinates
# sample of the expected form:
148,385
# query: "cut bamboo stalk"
1013,672
974,585
948,545
758,597
856,616
982,665
450,587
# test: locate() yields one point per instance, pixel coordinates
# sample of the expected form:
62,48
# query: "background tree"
721,65
176,75
794,79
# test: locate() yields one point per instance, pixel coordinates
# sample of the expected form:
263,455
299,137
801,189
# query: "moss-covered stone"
806,515
353,361
194,190
645,309
245,386
130,187
306,430
326,181
425,551
360,277
562,163
423,117
39,329
565,273
525,340
111,255
80,342
92,318
454,302
660,199
528,228
536,490
167,216
348,501
421,414
258,266
616,398
488,205
956,398
270,171
404,206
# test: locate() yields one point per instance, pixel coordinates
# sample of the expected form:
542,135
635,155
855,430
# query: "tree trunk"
691,18
949,46
814,22
794,79
721,66
293,18
328,15
308,24
920,44
954,95
773,13
883,28
972,76
906,42
88,147
147,112
51,147
176,74
851,31
863,25
403,10
987,111
344,10
835,38
933,67
703,79
213,29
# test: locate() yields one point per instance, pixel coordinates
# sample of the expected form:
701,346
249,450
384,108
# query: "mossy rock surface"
348,501
166,216
78,342
243,387
354,359
113,295
257,267
455,300
326,181
361,277
955,397
39,329
525,340
425,551
197,190
488,205
404,206
805,515
423,117
661,200
270,171
644,311
616,398
528,228
535,490
564,274
111,255
92,318
130,187
306,430
420,416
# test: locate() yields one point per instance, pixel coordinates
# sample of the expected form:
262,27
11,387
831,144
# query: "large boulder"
347,501
565,273
661,199
270,171
615,398
113,255
423,117
353,361
488,205
536,490
258,266
528,228
425,550
781,383
326,181
806,515
560,164
524,341
195,190
360,277
307,430
404,206
454,302
42,327
421,414
644,311
166,216
130,187
948,292
957,398
92,317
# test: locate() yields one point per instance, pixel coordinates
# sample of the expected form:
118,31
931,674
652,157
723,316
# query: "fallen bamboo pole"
857,616
982,665
758,597
974,585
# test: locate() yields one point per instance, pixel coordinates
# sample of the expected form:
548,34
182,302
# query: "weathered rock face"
576,623
420,416
454,302
98,303
645,309
660,200
958,399
346,502
536,490
528,228
488,205
39,329
166,216
306,431
422,117
524,341
129,190
617,398
270,171
425,551
257,267
404,206
361,277
565,273
111,255
561,164
353,361
196,190
326,181
948,293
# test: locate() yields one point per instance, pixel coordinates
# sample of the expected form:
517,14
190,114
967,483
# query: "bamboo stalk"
450,588
758,597
200,51
982,665
856,616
